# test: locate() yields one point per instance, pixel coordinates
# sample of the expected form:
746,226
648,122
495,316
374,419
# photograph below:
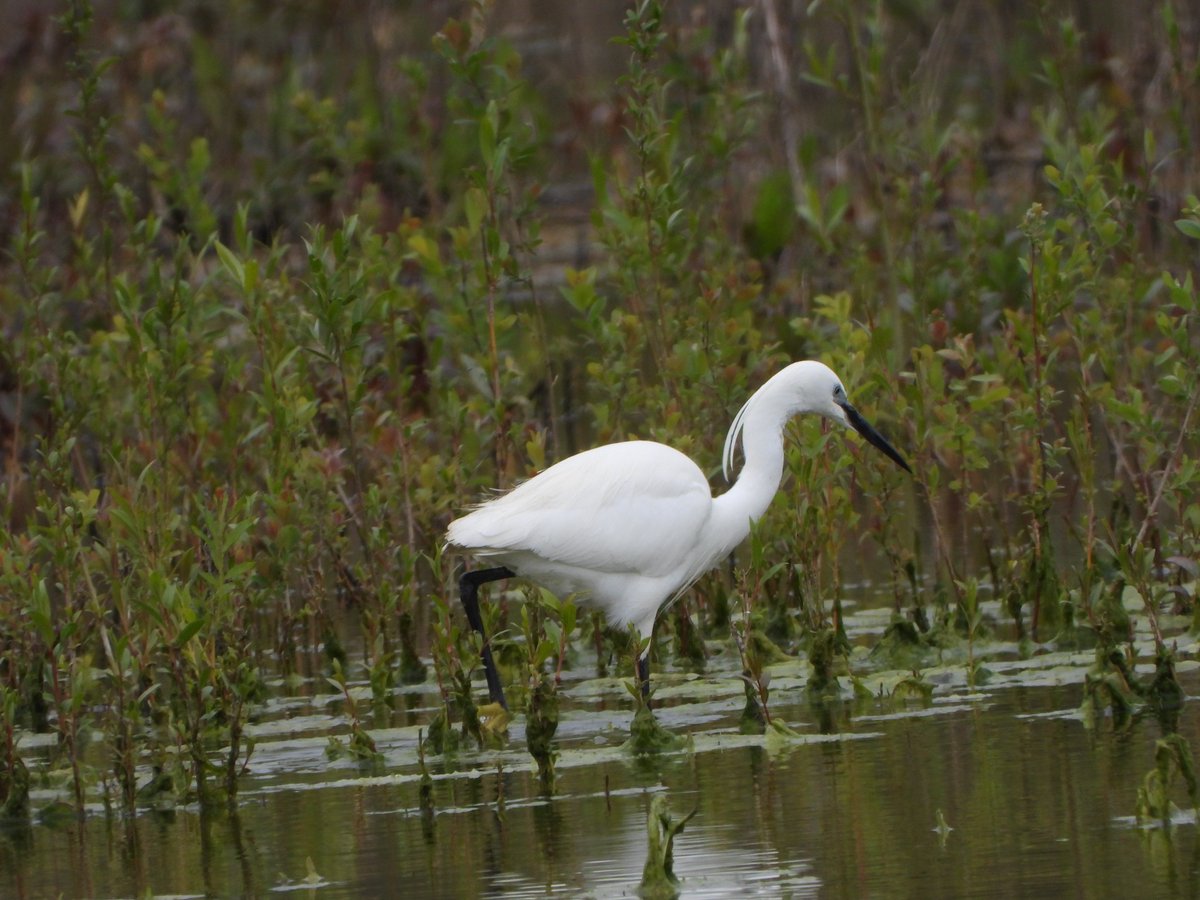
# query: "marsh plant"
547,626
659,881
265,335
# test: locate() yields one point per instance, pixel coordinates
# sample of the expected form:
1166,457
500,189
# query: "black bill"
863,427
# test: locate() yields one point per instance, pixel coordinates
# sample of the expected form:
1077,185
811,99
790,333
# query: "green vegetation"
658,875
270,323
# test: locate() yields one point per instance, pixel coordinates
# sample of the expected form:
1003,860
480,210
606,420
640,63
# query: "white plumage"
627,527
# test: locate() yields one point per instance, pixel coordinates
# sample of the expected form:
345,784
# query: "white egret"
628,527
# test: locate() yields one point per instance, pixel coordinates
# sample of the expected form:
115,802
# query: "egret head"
840,409
804,387
819,390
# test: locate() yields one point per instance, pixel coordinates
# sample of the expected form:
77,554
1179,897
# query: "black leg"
643,673
468,587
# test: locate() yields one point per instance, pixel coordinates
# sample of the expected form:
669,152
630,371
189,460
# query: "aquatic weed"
1172,756
659,881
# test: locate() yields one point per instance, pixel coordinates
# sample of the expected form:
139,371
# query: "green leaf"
188,631
1190,227
231,263
475,206
489,126
39,613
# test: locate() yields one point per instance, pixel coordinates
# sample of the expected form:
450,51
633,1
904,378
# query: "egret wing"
631,507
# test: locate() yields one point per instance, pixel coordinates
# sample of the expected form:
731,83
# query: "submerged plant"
1112,682
659,881
541,722
443,739
647,736
942,828
546,638
359,745
903,646
913,687
1109,684
1172,757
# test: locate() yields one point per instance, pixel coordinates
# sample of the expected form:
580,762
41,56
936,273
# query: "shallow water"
1037,804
